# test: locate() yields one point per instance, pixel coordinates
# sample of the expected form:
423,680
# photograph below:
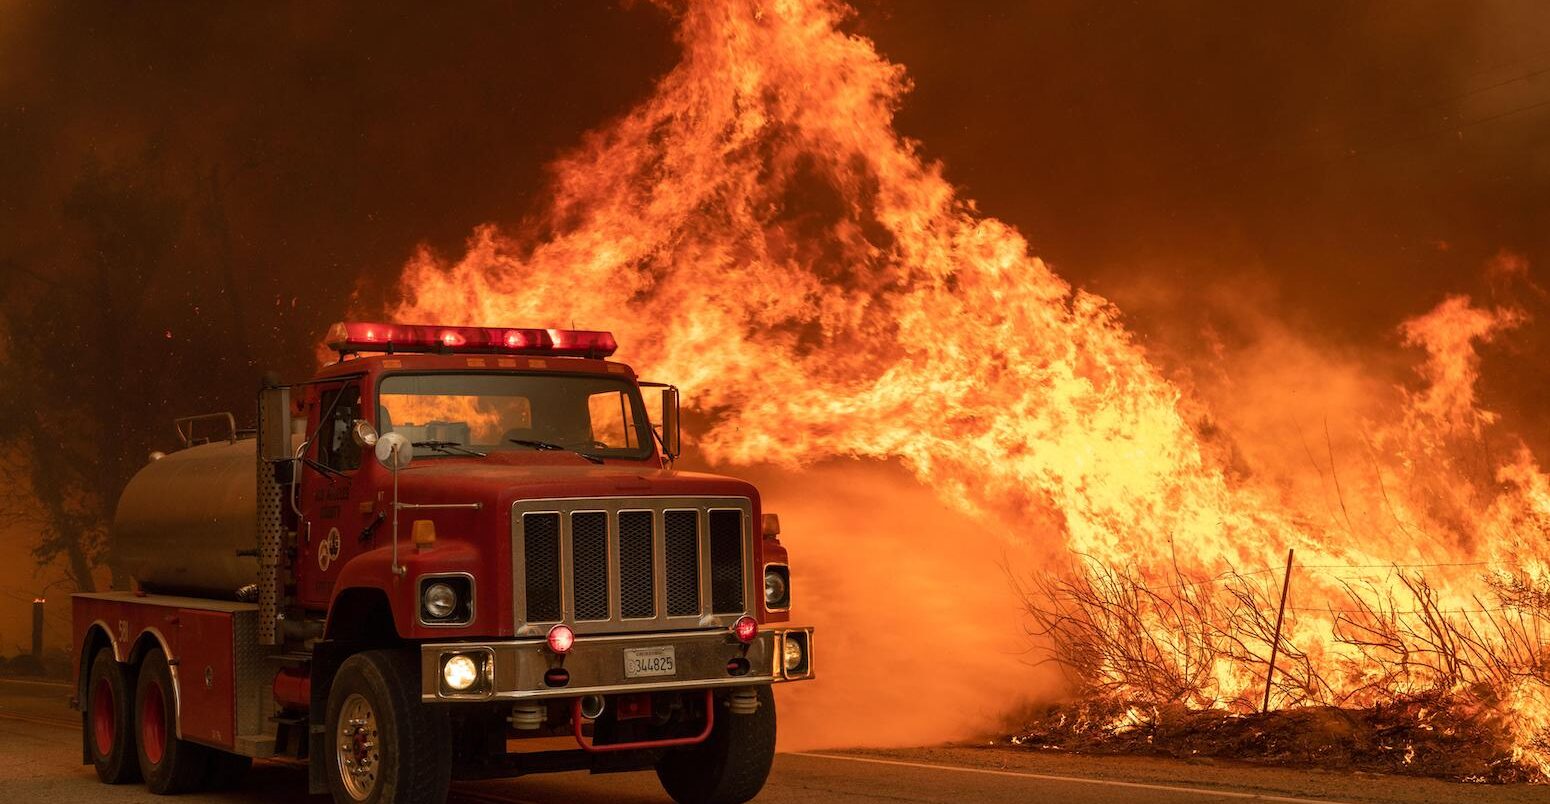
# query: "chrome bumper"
515,669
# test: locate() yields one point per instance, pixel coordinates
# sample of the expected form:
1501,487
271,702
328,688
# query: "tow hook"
743,701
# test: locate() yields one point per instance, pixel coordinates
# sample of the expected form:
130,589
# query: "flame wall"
758,232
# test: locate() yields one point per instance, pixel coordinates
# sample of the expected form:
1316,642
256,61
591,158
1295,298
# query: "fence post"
37,629
1275,642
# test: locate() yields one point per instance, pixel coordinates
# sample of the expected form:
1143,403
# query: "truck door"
332,515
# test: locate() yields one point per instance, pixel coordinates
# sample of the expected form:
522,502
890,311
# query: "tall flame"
757,232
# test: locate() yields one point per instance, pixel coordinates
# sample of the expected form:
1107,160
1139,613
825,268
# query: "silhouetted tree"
133,328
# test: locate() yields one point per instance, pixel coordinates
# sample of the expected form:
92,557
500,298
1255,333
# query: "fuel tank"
184,519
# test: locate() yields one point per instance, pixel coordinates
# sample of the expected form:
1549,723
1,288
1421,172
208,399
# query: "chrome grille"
726,561
589,564
637,567
622,564
541,548
682,534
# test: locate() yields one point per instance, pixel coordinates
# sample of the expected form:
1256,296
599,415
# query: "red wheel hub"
153,723
102,726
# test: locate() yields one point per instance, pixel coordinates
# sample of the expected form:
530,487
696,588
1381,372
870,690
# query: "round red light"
746,629
561,638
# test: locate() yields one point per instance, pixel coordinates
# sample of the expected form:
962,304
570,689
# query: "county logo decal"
328,549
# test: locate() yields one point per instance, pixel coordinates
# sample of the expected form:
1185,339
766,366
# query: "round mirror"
365,435
394,451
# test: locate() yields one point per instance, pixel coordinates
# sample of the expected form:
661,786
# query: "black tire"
730,767
110,731
169,765
225,770
417,763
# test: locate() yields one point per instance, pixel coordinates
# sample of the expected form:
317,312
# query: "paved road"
40,761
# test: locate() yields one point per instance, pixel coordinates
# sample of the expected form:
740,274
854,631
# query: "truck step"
293,659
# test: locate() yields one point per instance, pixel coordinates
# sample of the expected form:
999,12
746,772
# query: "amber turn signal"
424,534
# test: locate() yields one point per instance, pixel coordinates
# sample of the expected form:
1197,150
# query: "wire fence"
1232,575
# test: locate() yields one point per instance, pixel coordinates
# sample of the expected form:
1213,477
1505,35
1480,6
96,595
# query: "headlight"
447,599
460,672
439,601
777,587
792,654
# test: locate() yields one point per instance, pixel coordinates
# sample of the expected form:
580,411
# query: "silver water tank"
184,518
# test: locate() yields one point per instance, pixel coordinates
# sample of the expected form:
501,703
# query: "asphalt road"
40,761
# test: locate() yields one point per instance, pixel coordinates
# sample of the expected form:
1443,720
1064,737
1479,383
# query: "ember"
757,229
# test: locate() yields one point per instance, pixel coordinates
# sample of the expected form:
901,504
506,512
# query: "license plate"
640,662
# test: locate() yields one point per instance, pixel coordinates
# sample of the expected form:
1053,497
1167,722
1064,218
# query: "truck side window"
336,448
611,424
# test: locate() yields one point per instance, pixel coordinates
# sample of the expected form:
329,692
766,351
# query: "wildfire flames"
758,233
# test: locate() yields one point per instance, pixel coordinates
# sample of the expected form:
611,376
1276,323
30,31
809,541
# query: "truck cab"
451,553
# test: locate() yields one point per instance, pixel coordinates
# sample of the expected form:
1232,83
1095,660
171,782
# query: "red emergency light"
356,336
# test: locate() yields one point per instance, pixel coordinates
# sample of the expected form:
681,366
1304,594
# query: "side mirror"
670,432
394,451
364,434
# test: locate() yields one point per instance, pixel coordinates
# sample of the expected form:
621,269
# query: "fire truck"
454,553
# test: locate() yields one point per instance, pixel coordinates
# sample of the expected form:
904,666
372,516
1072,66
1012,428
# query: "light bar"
356,336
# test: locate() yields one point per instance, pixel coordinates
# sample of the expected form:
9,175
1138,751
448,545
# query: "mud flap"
327,655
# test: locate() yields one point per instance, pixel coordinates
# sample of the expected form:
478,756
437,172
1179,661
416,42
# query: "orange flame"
757,232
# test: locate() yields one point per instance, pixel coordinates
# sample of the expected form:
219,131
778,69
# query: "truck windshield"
598,416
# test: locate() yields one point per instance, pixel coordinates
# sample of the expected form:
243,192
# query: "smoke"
919,637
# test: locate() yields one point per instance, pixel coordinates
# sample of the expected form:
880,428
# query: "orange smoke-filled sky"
1228,175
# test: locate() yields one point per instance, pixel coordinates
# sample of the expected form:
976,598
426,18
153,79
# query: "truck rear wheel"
110,728
169,765
730,767
382,743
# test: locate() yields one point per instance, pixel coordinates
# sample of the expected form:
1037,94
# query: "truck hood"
501,483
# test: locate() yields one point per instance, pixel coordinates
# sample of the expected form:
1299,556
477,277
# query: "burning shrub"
1176,662
1189,642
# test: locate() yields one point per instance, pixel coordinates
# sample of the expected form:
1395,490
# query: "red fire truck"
456,552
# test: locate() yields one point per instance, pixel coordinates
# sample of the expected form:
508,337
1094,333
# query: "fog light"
440,601
792,654
460,672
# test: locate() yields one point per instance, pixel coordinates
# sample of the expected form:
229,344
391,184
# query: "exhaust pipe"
592,706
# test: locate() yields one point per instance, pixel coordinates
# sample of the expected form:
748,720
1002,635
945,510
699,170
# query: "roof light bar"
356,336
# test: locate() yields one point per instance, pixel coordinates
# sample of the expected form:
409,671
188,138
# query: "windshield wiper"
547,446
448,448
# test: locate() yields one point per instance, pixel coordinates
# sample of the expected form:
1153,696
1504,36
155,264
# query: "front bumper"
515,669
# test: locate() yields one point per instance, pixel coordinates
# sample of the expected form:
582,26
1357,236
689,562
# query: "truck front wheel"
109,725
383,744
730,767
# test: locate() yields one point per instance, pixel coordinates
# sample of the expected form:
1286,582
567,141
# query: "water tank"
184,518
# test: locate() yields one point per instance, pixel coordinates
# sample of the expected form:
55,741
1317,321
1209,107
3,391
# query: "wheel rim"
153,723
357,747
102,725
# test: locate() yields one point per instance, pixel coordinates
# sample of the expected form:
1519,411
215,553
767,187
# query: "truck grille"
619,564
542,550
